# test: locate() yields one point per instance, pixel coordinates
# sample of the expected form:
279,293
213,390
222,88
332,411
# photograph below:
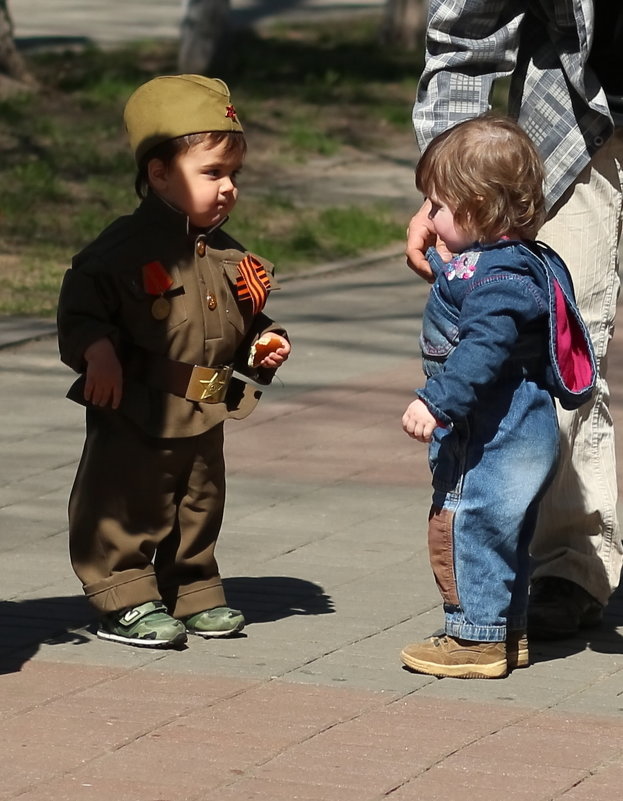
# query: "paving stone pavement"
324,548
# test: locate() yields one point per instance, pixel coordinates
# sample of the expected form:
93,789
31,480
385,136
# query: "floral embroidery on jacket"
462,266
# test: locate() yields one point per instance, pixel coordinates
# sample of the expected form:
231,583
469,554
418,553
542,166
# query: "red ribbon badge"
156,280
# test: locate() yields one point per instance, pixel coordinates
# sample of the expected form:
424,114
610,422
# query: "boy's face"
200,182
442,218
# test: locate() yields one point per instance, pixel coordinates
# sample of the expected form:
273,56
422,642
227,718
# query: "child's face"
200,182
442,218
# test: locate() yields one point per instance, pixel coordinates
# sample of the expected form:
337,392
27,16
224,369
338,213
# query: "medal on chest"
160,308
157,282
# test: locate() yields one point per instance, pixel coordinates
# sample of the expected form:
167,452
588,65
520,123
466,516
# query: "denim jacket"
495,307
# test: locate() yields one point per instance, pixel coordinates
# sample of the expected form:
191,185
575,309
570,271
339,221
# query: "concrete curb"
346,265
19,330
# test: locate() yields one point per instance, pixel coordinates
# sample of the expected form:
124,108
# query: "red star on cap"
230,111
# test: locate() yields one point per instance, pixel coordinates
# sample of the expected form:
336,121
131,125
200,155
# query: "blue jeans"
489,474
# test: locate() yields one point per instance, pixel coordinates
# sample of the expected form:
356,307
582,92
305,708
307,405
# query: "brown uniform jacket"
104,294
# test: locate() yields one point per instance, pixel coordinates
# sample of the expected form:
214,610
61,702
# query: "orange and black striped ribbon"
253,283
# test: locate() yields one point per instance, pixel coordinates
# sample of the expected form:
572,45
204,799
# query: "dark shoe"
219,622
460,659
517,651
559,608
148,626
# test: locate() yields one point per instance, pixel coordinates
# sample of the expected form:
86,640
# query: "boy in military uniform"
155,315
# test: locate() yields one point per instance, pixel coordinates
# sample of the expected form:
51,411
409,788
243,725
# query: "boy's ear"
157,174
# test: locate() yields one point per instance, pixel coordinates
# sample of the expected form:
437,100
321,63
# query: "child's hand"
277,357
418,422
104,378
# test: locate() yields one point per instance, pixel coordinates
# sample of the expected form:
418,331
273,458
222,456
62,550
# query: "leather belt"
191,381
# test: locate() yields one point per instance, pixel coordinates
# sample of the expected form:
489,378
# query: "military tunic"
147,503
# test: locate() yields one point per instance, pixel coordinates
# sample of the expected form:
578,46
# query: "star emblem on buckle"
211,386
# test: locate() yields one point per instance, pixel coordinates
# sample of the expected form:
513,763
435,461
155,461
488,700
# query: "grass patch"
295,237
31,291
305,92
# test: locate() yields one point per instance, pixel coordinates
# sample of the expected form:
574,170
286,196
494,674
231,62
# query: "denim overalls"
487,354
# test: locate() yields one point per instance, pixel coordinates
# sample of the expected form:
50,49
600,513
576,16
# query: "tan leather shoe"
460,659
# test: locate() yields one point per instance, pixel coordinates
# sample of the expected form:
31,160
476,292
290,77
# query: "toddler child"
501,335
155,315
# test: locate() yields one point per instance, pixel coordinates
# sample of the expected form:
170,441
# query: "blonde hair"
488,171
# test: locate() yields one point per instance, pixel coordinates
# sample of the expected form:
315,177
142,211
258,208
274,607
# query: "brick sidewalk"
145,734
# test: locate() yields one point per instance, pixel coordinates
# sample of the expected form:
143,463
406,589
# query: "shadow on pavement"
25,625
268,598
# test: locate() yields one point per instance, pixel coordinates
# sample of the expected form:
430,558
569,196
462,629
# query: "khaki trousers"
577,535
144,517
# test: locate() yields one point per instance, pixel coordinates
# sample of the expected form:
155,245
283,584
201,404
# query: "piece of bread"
266,344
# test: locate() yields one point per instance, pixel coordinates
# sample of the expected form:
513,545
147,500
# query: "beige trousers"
577,535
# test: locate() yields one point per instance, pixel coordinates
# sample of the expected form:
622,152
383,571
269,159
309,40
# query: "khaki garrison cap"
176,105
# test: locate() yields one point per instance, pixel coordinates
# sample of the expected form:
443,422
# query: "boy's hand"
420,237
418,422
277,357
104,377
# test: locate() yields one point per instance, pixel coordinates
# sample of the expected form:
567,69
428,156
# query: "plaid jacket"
544,45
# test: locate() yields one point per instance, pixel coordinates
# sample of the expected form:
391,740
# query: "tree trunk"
204,23
12,65
403,23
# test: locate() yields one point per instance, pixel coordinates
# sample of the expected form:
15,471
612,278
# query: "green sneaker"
148,625
219,622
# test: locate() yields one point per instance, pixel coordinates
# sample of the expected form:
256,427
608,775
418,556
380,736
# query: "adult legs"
577,536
